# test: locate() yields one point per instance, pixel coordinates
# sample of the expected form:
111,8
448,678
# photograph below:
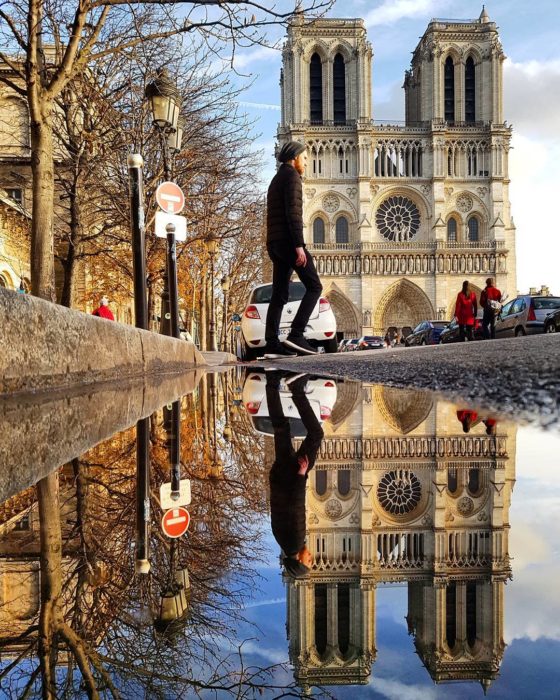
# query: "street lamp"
212,248
165,104
225,289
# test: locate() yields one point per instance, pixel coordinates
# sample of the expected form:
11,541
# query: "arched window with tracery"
473,229
449,90
339,89
318,230
341,230
452,230
316,89
470,90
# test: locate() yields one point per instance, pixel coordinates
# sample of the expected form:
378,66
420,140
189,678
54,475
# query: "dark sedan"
450,334
552,322
426,333
370,342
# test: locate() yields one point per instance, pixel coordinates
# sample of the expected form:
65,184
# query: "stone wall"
46,346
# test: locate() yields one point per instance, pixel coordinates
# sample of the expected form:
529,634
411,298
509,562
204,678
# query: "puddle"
345,540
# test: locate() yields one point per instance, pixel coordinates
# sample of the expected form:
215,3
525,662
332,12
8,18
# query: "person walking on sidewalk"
490,302
286,249
465,312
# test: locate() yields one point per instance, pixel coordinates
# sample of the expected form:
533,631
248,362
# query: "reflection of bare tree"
95,625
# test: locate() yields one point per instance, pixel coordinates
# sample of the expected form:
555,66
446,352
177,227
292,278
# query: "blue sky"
530,34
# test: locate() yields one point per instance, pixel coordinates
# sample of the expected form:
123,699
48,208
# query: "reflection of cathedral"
400,493
398,215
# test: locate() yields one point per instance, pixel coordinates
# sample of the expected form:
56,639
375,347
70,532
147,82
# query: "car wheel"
550,328
519,332
248,354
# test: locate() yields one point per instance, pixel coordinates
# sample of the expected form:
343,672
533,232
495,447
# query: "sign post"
175,522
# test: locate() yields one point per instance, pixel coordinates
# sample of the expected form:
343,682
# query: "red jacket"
489,294
465,308
104,312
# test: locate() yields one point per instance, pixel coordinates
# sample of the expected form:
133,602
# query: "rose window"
398,219
399,492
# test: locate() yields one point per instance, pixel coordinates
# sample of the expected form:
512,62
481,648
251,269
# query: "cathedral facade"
398,215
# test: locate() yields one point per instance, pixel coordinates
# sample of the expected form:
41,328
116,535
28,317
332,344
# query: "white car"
320,391
320,330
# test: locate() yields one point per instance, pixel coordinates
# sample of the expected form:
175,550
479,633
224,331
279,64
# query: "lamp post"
165,105
225,289
212,247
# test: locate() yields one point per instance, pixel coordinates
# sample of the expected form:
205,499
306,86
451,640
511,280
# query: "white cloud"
391,11
261,603
395,690
261,105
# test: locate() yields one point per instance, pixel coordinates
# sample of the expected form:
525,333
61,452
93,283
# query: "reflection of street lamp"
212,248
165,103
225,289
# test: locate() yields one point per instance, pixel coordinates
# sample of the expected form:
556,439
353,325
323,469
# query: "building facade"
401,494
398,215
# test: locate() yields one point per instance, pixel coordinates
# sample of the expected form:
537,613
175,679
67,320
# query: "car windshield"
546,302
262,295
439,324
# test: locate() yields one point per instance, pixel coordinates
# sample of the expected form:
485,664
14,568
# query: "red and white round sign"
170,197
175,521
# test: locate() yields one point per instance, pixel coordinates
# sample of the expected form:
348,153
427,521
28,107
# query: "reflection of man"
289,471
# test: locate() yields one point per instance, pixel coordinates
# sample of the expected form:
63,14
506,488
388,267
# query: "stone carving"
310,193
367,317
464,202
351,191
482,191
448,191
426,189
313,519
465,505
374,188
331,203
333,509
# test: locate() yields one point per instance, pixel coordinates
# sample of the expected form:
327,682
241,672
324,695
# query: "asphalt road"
513,377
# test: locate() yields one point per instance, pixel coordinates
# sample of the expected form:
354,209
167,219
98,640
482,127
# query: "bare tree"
84,32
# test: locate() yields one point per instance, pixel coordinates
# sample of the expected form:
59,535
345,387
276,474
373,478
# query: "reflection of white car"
320,330
320,391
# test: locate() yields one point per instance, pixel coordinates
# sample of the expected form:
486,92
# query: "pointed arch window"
452,230
321,482
318,230
341,230
343,482
470,90
339,89
449,90
316,89
473,229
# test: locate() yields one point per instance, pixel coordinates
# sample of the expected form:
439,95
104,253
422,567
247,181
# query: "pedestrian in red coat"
465,311
103,310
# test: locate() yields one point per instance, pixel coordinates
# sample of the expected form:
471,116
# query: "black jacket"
284,216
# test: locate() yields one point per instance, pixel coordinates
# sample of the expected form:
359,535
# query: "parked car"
426,333
525,315
351,345
343,344
552,322
450,334
370,342
320,330
321,392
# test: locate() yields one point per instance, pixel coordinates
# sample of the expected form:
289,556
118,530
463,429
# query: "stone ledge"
45,346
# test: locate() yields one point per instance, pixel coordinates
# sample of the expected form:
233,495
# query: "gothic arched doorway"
348,322
403,305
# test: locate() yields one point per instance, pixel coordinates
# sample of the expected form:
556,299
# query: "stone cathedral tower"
399,214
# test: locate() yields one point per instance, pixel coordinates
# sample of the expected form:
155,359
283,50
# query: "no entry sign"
170,197
175,522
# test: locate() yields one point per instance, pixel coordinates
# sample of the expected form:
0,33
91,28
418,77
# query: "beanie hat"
290,150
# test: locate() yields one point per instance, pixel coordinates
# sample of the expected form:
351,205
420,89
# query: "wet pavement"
346,540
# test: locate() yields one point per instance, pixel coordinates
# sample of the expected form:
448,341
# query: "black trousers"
465,331
489,324
283,264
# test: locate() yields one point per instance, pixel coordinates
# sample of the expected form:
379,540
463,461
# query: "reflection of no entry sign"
175,522
170,197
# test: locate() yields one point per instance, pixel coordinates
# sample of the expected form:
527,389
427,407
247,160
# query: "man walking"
286,249
489,300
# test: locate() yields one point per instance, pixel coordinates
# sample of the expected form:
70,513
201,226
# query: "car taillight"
531,315
329,333
252,312
330,385
325,412
324,305
253,407
256,377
